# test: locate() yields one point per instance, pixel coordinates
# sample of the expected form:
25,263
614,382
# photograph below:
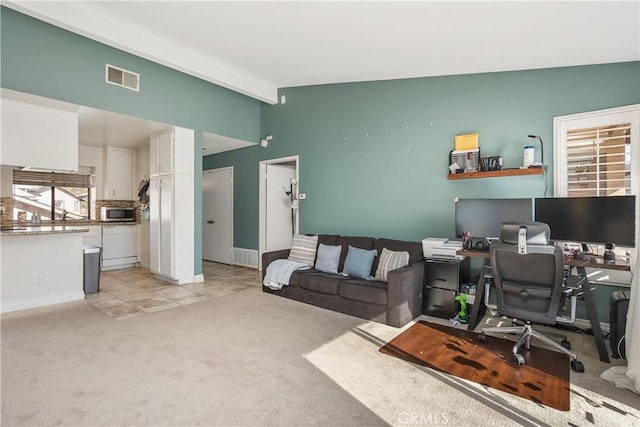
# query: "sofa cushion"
414,249
356,242
303,249
328,258
368,291
359,261
328,239
298,276
390,260
321,282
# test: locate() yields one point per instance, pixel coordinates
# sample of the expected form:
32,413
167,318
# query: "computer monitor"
484,217
598,220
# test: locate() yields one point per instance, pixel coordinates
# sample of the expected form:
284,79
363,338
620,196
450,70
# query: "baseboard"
26,303
198,278
245,257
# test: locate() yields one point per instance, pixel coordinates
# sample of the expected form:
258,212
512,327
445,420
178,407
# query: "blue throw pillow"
328,258
359,261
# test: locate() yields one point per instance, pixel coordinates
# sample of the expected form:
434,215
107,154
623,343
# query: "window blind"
599,161
52,179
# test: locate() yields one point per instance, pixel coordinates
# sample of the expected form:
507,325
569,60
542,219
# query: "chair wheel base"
482,337
566,344
517,359
577,366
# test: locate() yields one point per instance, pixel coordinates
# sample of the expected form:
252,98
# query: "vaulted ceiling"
257,47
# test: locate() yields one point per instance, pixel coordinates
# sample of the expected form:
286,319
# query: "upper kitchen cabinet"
38,137
161,160
120,173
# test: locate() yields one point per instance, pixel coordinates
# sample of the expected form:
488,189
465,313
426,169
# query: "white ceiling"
260,46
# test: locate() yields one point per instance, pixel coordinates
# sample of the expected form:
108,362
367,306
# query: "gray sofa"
395,303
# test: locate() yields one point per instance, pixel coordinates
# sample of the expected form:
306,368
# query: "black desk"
479,307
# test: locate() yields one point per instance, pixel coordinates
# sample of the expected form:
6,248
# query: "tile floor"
134,292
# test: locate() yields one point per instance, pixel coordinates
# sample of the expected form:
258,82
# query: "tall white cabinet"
171,205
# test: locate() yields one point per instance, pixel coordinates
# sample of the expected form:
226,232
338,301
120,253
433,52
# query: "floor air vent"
120,77
245,257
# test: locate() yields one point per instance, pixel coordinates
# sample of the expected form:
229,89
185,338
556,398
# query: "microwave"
117,214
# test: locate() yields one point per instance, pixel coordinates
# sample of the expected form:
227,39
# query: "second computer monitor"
484,217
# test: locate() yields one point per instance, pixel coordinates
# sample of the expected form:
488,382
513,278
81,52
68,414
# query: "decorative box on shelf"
464,161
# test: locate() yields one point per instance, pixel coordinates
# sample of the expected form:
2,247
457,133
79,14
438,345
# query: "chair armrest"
404,293
269,257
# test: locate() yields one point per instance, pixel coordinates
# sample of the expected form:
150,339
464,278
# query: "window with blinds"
599,161
51,179
53,195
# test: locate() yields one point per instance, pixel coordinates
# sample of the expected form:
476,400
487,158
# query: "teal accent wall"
374,155
45,60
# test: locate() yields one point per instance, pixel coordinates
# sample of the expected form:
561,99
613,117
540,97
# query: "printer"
439,247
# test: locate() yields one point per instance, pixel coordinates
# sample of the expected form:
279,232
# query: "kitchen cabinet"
171,209
161,226
161,153
120,172
39,137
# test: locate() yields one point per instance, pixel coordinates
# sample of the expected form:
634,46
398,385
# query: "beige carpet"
243,357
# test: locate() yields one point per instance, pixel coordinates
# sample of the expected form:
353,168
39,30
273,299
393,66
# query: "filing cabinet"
443,278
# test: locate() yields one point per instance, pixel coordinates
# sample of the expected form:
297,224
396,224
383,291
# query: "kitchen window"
51,194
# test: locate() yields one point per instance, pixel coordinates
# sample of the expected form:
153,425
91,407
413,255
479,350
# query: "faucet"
64,216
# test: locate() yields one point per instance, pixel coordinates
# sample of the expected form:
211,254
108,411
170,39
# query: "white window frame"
600,118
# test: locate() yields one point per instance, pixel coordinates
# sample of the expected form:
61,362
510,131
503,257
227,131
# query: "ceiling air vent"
120,77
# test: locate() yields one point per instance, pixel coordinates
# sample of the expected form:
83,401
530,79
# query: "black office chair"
529,279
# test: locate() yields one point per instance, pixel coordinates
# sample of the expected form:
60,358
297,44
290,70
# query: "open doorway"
278,213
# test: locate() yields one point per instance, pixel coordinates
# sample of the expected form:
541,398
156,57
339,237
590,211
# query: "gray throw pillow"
390,260
303,249
359,261
328,258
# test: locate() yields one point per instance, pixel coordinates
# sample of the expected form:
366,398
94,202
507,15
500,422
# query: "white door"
279,216
217,215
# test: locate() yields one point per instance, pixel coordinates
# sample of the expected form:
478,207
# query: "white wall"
94,157
6,181
38,137
39,270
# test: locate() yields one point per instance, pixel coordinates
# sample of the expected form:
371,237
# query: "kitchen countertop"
18,229
30,231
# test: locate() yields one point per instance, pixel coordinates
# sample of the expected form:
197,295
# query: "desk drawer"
446,274
439,302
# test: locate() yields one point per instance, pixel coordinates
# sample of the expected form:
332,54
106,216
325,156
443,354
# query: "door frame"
263,201
230,207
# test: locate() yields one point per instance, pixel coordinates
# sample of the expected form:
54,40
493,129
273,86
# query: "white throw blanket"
279,272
